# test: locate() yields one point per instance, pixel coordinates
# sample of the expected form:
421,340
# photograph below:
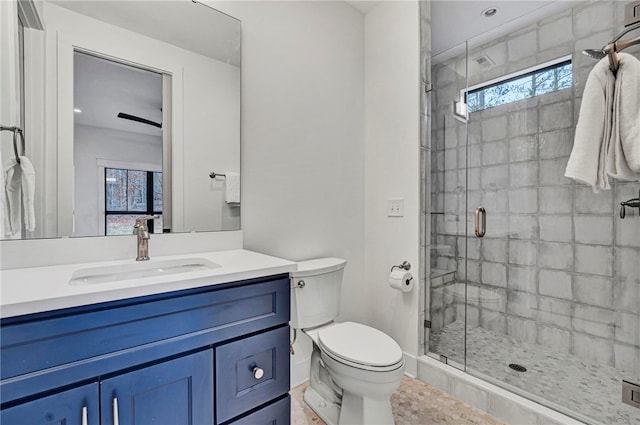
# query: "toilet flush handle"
300,284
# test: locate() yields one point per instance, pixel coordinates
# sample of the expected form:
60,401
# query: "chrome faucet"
142,231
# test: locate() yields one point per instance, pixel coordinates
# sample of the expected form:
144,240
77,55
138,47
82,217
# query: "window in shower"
541,79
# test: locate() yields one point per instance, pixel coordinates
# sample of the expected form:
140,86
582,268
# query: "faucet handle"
142,221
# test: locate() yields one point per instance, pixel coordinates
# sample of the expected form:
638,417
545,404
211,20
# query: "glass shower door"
445,339
504,216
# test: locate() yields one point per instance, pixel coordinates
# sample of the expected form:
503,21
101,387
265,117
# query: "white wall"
392,167
304,155
92,144
303,137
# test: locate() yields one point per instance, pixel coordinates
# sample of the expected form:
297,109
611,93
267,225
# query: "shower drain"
517,367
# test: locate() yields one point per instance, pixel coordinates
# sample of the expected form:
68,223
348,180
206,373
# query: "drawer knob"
258,373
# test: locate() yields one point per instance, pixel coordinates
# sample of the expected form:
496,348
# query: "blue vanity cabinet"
184,357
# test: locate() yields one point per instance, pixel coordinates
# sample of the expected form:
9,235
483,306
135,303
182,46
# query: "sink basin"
139,270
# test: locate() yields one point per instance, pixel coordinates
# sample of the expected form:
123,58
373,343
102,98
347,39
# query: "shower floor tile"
415,403
591,390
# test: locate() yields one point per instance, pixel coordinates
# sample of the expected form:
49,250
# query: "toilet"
354,368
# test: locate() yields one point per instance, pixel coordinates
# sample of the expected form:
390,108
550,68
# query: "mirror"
128,108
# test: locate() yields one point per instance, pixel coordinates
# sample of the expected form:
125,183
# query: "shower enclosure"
545,303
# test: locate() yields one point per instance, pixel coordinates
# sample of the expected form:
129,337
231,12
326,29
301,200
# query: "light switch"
395,207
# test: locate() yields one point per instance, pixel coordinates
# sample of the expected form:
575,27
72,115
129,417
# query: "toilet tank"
317,300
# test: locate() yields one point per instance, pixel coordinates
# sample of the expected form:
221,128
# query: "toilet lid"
360,344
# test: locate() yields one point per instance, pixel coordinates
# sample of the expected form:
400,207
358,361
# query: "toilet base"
365,410
328,412
358,410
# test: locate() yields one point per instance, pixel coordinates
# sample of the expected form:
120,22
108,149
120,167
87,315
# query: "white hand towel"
232,188
19,179
588,157
623,155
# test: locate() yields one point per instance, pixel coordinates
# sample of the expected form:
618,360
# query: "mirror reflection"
118,131
128,107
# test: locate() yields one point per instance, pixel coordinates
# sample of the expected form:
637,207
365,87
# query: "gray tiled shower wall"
565,267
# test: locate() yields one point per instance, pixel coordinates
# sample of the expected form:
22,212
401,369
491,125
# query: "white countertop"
36,289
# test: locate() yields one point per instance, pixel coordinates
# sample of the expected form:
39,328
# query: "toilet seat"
360,346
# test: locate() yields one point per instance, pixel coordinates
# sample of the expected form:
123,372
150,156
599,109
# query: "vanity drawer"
250,372
276,413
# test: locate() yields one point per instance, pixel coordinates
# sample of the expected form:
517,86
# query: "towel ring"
16,131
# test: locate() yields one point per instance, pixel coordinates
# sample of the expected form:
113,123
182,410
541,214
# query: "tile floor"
415,403
589,389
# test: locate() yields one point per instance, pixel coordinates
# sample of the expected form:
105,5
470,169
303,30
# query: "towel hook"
213,175
631,203
612,50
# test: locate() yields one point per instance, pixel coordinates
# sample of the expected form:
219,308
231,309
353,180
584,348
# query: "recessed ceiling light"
490,12
77,110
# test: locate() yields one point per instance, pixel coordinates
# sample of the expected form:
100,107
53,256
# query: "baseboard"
410,365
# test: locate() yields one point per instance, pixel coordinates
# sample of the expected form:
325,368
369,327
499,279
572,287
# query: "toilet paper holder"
405,266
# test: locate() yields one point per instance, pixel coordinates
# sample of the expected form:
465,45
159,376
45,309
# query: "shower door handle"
480,211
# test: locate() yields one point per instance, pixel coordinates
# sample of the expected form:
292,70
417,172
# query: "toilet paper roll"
402,280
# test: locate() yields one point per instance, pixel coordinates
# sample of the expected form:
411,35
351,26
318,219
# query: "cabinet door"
176,392
78,406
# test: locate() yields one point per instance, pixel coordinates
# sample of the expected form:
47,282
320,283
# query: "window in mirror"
130,194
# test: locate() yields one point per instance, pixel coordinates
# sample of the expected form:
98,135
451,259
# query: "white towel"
19,179
587,162
232,189
623,155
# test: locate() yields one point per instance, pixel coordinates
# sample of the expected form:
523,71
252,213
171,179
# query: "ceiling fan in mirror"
139,119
